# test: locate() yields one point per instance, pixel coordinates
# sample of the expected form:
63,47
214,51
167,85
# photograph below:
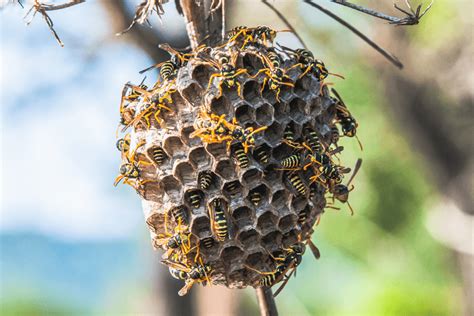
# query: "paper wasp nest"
216,189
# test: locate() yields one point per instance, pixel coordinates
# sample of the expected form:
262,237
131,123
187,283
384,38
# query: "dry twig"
40,7
143,12
266,302
394,60
412,17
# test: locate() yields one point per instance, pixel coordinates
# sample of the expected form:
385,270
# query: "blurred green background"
71,244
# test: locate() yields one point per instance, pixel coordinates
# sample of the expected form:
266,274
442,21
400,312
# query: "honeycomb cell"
279,198
258,196
262,154
287,222
264,114
302,87
266,221
249,238
232,254
272,174
185,137
251,91
192,94
201,74
273,133
232,188
195,198
174,147
251,177
185,173
271,239
297,107
171,187
221,106
225,169
200,158
242,216
244,114
280,110
200,225
218,150
290,238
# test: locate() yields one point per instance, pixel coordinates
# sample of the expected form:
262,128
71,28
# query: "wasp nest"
234,152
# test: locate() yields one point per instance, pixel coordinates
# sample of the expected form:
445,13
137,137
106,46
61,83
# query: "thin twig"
53,7
284,20
411,18
266,302
143,12
394,60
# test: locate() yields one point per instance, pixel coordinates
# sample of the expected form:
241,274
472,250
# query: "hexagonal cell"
174,147
274,133
251,176
232,188
302,86
286,222
201,74
157,155
314,107
286,92
251,91
262,154
238,153
266,221
200,226
225,169
217,149
192,94
200,158
195,198
298,203
279,198
290,238
185,173
264,114
282,151
297,107
252,63
242,216
208,180
221,106
155,222
179,214
280,111
171,186
249,238
244,114
271,240
272,173
207,242
258,195
185,136
231,254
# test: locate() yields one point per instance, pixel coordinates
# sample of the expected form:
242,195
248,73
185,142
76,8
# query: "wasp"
218,219
334,135
345,119
169,68
195,199
158,155
259,35
179,214
262,155
255,197
275,76
241,156
313,141
181,239
123,145
212,128
291,163
297,183
205,179
130,170
227,71
208,242
196,274
303,215
156,102
130,94
341,191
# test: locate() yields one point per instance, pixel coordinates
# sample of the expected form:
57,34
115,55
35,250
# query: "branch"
42,8
411,18
287,23
266,302
394,60
143,12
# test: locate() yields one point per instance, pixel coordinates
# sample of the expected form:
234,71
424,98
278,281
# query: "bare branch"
284,20
411,18
394,60
143,12
42,8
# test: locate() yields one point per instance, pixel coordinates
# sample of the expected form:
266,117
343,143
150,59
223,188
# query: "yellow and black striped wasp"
341,191
262,34
275,75
181,239
123,145
218,219
198,273
130,170
345,119
169,68
227,72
